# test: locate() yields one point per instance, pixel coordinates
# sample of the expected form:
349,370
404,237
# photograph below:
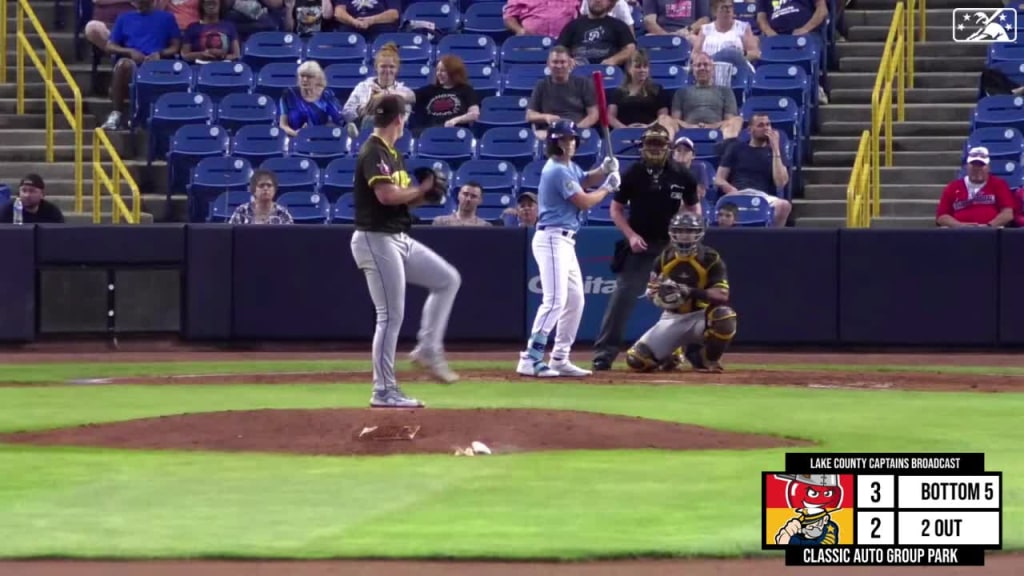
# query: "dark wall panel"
1011,289
17,283
208,282
152,244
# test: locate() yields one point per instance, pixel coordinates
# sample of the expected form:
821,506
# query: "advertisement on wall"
594,249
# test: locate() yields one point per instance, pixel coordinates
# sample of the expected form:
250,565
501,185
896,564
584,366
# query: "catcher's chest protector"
690,271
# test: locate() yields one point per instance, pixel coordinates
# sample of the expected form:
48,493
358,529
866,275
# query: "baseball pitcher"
689,283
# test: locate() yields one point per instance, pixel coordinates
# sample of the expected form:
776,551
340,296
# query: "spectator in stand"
104,14
524,215
539,17
359,108
757,168
139,36
262,209
682,153
726,215
598,38
370,18
727,39
211,39
470,196
621,10
796,18
450,100
680,17
705,104
1018,207
640,101
252,16
34,208
561,95
977,199
185,12
308,16
311,103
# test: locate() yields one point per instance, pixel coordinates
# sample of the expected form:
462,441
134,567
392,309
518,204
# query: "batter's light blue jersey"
558,183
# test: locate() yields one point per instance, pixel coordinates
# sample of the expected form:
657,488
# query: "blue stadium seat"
669,49
258,143
275,78
224,205
751,211
412,47
515,145
492,204
601,215
241,109
742,77
294,174
1014,70
1004,110
344,211
153,79
626,143
494,176
403,145
783,111
670,76
443,15
213,176
426,213
527,49
342,78
520,79
415,76
485,79
1008,170
262,48
218,79
590,149
172,111
705,141
529,178
613,75
189,144
785,49
338,178
1006,52
1002,143
472,48
329,48
319,143
747,12
502,111
485,18
306,207
782,80
453,145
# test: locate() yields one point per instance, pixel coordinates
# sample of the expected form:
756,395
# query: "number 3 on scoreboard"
876,493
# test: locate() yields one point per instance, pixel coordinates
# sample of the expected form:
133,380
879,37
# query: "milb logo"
984,25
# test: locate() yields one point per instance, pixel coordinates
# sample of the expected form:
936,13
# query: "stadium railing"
119,176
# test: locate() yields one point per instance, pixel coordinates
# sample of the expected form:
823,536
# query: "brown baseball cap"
388,108
33,180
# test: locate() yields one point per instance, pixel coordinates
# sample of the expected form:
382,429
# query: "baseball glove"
438,192
667,294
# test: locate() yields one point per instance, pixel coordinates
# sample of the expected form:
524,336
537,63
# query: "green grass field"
132,504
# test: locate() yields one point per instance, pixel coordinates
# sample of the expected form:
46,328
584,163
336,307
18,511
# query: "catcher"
689,283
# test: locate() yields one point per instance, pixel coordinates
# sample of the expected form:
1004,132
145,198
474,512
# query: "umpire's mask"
654,146
686,232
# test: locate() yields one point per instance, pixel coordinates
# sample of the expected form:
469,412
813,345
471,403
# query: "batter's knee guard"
640,358
720,322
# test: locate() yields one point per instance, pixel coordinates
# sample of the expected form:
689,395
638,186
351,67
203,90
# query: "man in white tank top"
727,39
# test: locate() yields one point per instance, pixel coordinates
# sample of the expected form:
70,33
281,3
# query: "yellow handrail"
53,95
100,180
896,66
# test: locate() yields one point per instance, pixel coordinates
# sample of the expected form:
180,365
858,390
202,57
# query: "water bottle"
18,212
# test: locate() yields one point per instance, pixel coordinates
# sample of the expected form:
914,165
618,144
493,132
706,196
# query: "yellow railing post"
48,80
19,61
3,41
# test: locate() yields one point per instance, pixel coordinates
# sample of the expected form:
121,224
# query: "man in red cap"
35,210
977,199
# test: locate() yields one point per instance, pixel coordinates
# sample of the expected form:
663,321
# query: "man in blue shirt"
140,36
757,168
562,199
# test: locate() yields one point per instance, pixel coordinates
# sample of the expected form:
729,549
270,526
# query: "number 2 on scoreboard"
876,524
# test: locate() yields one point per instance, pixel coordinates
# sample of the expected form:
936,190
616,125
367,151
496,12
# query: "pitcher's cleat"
433,364
393,398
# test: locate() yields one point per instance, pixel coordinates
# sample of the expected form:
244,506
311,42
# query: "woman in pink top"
727,39
539,17
186,12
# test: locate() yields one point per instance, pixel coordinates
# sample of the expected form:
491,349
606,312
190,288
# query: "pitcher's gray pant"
389,262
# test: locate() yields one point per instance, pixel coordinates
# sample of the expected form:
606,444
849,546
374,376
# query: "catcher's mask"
686,232
654,146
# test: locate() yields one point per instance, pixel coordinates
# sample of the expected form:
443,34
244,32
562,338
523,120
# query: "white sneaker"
535,368
567,368
434,364
113,122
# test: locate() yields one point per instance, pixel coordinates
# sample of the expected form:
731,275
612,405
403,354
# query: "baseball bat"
602,111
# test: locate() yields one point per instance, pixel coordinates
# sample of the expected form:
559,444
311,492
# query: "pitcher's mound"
380,432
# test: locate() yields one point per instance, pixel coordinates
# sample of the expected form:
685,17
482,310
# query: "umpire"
655,190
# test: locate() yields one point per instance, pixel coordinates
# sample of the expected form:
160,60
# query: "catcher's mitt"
667,294
438,192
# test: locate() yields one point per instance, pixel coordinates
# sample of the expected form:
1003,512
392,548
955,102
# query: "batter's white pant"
561,282
389,261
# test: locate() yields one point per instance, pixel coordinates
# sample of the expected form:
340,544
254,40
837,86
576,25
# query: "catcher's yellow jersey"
703,270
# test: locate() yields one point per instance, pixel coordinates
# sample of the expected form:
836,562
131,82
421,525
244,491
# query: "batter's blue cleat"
393,398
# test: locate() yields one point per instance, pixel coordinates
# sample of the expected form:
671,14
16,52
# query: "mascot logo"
810,509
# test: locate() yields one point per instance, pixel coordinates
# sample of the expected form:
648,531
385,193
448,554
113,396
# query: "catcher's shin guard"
674,361
721,329
640,358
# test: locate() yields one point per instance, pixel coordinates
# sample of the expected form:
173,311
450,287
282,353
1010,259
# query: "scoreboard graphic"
849,509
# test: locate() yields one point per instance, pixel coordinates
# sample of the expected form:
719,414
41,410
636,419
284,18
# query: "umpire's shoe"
434,364
601,365
393,398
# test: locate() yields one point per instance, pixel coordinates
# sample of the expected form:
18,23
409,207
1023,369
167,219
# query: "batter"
562,200
689,282
389,257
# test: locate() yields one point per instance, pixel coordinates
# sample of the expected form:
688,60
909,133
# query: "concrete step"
91,105
950,112
37,137
906,144
922,80
935,16
936,4
899,129
935,32
46,12
845,158
938,175
38,121
939,64
911,96
65,170
105,218
930,192
933,49
904,222
35,89
36,153
889,208
812,222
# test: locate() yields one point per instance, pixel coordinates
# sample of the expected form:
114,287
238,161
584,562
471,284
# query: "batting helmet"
558,130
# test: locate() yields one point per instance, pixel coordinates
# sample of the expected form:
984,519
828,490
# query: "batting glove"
613,182
610,165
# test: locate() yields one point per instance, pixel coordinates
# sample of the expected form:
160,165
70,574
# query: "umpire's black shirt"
654,197
377,162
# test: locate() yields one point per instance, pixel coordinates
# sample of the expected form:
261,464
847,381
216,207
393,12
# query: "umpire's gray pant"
389,261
